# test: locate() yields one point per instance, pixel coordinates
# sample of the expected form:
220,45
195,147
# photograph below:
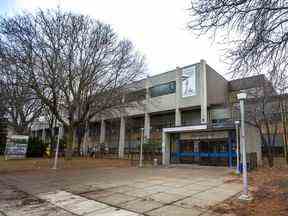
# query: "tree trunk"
69,138
270,160
269,156
284,124
80,140
269,144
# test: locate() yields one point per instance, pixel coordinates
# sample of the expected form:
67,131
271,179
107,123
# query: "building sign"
189,81
204,135
16,147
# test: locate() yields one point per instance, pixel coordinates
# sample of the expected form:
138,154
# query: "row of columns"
123,130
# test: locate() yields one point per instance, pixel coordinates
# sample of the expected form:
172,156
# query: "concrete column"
122,138
146,103
43,135
147,126
177,150
102,131
178,96
196,149
230,139
203,91
177,117
165,149
147,115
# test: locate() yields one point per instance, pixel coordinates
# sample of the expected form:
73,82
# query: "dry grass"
33,164
269,188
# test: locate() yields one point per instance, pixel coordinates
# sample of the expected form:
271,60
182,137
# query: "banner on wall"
189,81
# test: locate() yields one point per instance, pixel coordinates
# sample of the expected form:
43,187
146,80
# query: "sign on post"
16,147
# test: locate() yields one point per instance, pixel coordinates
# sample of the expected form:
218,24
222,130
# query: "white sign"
189,81
16,146
184,128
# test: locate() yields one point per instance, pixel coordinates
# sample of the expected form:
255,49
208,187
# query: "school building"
188,112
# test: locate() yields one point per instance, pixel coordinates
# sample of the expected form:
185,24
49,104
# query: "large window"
220,116
136,95
163,89
189,81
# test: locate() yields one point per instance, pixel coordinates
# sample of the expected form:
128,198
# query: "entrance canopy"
198,136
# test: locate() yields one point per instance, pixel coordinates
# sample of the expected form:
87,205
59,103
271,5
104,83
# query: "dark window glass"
163,89
136,96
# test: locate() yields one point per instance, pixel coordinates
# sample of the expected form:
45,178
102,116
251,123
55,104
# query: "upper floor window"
136,95
163,89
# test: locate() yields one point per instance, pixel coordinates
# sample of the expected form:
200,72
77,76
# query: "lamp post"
141,148
241,97
237,146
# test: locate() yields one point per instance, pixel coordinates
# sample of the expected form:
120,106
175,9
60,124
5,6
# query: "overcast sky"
156,27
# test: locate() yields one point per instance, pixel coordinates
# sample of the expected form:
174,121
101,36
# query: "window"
163,89
136,96
189,81
220,116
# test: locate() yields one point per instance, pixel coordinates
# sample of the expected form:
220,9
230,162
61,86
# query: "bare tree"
77,66
262,112
255,34
19,104
256,31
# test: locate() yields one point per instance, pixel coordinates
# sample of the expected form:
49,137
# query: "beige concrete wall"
217,87
136,108
253,142
168,102
162,78
161,103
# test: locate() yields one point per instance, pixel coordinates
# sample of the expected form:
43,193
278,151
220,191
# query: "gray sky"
156,27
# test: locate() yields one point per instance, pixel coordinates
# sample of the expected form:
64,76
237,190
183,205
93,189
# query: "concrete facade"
208,104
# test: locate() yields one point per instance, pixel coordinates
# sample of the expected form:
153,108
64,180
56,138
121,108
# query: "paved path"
82,206
129,191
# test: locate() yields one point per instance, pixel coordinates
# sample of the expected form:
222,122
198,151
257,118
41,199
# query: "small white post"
141,148
237,147
57,148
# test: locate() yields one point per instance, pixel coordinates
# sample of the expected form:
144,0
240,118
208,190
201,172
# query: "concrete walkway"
130,191
81,206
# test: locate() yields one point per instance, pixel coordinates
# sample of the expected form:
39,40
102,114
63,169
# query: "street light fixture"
237,123
241,97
